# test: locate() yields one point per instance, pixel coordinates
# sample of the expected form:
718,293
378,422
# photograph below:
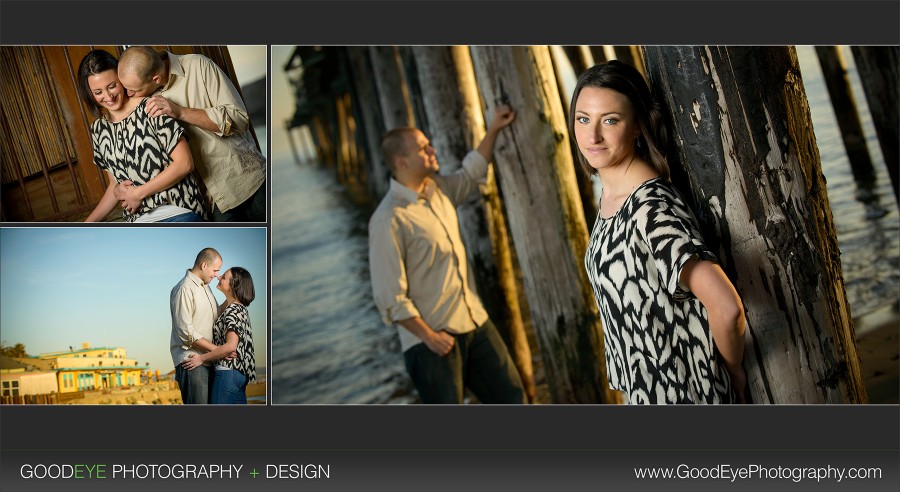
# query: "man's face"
420,156
134,86
209,271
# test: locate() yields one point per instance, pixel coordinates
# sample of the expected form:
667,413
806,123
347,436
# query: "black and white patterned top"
139,147
659,348
236,318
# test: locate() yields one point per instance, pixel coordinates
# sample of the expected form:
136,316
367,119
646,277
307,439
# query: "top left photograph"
130,134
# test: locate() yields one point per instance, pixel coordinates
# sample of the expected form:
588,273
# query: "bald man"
194,90
421,280
194,309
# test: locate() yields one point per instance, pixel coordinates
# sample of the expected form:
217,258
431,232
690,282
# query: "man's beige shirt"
417,259
227,161
194,309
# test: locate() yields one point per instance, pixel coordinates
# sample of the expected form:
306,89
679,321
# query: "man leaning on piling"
421,279
195,91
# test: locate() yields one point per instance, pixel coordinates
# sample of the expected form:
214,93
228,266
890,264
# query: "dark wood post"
369,118
632,56
576,57
598,53
392,90
411,75
878,67
834,71
745,145
545,218
447,80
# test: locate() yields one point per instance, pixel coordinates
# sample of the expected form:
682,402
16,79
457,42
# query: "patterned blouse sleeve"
669,229
168,132
96,131
235,322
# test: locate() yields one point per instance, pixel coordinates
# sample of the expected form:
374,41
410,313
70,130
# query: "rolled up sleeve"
388,272
228,111
463,182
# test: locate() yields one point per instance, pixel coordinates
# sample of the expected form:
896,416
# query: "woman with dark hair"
129,145
673,323
232,334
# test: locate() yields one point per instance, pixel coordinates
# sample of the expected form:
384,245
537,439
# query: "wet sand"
878,343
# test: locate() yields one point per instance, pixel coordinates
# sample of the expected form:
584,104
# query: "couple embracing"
212,343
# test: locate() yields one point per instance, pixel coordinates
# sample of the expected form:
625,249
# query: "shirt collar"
410,196
175,69
193,278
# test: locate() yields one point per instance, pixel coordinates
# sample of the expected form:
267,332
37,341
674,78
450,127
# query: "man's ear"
399,162
157,79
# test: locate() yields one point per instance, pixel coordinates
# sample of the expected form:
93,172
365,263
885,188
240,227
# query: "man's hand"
503,116
159,105
193,362
231,356
440,342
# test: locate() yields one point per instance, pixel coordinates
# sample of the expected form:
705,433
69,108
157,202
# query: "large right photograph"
585,225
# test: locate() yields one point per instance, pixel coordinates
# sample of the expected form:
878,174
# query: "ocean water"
329,345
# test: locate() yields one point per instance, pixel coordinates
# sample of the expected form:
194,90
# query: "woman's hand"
738,383
131,197
193,362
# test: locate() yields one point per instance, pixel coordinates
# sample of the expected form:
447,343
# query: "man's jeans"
479,360
194,384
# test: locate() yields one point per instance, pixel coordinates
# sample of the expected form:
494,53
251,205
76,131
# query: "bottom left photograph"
133,316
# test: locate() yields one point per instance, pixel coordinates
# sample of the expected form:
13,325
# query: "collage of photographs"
368,225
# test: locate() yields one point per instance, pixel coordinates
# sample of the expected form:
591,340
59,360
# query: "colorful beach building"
85,369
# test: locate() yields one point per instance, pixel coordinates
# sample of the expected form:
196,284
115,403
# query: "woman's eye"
610,121
582,119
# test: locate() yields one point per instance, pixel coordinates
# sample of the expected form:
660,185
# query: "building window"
10,388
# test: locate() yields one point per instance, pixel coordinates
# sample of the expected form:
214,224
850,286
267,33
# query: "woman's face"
224,284
107,90
606,127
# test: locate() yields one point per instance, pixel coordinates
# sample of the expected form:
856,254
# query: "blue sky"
109,286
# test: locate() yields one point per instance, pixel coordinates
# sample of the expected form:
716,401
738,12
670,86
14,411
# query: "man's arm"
158,105
439,342
503,117
226,112
463,183
183,307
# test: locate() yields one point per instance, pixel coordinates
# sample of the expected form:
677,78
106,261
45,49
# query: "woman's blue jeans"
229,387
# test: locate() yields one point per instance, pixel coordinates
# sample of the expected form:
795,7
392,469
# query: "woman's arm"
182,164
231,341
726,315
107,203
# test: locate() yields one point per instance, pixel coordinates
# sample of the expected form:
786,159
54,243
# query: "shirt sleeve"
99,161
183,307
669,230
227,111
168,132
388,272
459,185
235,322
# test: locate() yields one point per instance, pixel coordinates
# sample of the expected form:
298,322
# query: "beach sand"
161,393
878,344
